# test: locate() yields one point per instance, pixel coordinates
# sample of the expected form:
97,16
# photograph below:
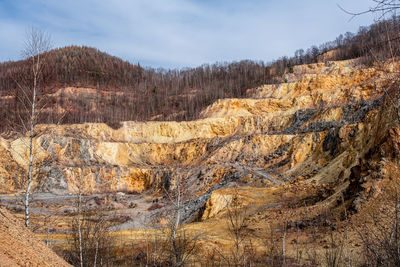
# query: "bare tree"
79,220
236,224
380,234
91,240
36,45
382,7
237,228
179,244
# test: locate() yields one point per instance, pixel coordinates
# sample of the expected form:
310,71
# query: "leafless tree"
79,220
172,244
380,235
36,45
90,241
180,245
237,228
380,7
236,225
334,256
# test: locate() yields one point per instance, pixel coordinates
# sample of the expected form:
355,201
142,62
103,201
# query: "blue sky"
180,33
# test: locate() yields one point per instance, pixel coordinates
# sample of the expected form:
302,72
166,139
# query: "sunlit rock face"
317,127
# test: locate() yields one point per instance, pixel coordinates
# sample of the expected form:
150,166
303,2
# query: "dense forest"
122,91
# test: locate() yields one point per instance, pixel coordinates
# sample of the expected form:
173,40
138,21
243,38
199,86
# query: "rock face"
19,246
316,127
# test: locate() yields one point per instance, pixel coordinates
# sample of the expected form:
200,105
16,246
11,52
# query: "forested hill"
75,66
108,89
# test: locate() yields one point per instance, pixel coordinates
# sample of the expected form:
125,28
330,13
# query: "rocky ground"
291,150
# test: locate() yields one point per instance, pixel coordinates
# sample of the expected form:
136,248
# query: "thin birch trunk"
80,226
97,251
31,136
176,226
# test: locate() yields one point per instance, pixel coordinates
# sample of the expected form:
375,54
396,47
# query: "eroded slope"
19,246
316,127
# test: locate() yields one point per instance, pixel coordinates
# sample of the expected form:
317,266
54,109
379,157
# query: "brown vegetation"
307,177
121,91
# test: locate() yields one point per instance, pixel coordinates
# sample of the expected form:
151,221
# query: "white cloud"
177,33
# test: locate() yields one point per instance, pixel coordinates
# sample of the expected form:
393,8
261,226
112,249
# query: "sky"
181,33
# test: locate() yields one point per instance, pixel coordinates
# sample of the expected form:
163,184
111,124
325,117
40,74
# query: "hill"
290,153
281,163
82,84
20,247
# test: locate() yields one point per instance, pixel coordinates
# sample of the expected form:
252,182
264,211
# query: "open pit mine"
297,159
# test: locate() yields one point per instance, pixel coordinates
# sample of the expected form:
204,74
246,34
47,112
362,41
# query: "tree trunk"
31,136
80,227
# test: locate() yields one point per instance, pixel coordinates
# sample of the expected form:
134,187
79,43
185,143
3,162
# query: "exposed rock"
315,127
331,142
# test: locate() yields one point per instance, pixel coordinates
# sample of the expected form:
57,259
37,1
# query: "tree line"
125,91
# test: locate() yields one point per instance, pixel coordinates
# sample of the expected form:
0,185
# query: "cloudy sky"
180,33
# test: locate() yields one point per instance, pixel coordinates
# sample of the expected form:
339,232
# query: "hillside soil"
300,160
